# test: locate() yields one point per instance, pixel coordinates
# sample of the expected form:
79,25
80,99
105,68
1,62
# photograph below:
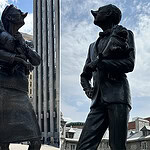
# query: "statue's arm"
33,57
121,65
7,57
12,58
86,75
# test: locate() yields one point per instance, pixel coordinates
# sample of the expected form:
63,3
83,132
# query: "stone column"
47,76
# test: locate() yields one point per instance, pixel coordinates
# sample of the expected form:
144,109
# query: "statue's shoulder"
122,28
1,27
5,35
7,41
131,33
92,45
119,28
19,35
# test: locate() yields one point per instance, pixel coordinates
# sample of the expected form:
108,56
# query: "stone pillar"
47,75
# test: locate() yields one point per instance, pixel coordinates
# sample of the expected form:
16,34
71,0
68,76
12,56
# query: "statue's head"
13,15
108,14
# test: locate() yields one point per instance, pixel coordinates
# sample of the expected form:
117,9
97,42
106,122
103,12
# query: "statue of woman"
18,121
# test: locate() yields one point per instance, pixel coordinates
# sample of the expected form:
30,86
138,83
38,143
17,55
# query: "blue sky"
77,32
24,5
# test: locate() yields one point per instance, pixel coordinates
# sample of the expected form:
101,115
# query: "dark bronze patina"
108,61
18,122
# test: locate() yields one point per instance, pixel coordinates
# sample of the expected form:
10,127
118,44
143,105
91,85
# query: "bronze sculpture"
108,61
18,121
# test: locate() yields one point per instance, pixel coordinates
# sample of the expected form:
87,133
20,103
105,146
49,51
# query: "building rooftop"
75,124
131,125
24,147
133,133
72,130
27,36
145,128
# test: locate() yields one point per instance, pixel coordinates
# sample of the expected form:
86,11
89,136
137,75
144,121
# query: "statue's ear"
109,13
8,17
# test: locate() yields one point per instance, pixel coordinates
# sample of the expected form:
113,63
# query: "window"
30,91
144,145
31,76
30,84
107,144
73,147
69,135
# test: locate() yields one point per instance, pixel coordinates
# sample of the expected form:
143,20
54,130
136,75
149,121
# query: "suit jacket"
109,80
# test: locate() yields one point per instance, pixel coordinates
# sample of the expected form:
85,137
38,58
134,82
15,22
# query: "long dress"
17,118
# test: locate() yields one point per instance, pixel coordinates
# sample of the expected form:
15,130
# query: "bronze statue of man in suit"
18,121
108,61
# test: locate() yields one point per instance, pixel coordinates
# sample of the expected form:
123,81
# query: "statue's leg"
35,145
94,129
118,126
4,146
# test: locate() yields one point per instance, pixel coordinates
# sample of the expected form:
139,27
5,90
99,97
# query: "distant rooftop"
24,147
27,36
75,124
142,133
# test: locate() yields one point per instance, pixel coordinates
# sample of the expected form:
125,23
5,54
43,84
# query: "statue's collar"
107,32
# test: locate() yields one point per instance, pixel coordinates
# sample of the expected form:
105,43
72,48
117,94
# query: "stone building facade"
138,136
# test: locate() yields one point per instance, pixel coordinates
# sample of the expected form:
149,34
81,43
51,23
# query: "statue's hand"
20,50
120,47
89,92
19,39
20,60
116,49
18,36
21,56
29,66
92,65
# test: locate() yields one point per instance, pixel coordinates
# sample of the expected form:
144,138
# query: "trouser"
34,145
112,116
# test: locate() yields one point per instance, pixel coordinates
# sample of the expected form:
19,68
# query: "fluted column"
45,66
57,48
35,47
47,76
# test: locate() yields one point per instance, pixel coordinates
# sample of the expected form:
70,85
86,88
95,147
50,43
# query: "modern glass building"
46,88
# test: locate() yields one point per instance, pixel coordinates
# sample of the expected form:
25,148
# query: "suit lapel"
94,51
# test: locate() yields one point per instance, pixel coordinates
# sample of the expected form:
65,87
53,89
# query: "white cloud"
75,42
143,7
72,113
140,78
3,4
14,1
79,32
141,107
79,103
28,27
